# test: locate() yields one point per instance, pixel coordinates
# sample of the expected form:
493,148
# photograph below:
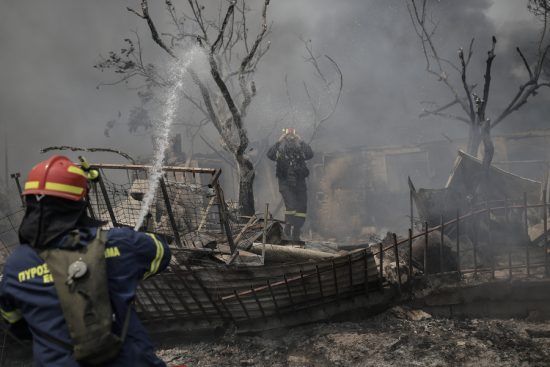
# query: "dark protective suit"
28,295
28,298
291,156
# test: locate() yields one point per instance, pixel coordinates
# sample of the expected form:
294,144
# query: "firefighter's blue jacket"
27,292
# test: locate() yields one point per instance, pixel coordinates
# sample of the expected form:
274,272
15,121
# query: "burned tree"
322,107
233,55
472,104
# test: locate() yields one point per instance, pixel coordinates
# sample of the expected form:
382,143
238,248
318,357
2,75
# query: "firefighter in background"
33,296
291,154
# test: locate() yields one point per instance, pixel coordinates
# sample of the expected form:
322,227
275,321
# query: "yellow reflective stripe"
32,185
290,212
78,171
156,261
64,188
301,215
11,316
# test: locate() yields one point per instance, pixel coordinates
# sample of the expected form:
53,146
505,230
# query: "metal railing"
516,264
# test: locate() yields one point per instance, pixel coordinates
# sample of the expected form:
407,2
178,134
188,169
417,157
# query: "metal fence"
188,208
9,225
475,244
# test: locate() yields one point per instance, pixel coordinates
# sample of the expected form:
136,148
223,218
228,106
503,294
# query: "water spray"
163,128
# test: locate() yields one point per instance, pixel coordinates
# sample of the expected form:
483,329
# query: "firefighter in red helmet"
100,327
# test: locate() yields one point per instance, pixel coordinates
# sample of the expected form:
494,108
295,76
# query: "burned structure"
226,271
365,190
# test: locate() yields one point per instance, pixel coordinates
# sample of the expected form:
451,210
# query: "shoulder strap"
85,299
68,346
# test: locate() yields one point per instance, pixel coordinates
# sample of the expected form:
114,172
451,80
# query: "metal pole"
411,206
366,264
381,277
410,254
441,243
426,239
526,224
169,211
458,240
90,209
6,152
107,202
545,225
224,218
396,253
264,237
476,227
490,242
16,176
381,246
507,244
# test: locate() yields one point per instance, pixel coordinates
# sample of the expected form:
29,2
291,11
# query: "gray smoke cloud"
48,92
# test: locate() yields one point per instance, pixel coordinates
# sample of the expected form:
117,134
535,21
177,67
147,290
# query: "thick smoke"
48,86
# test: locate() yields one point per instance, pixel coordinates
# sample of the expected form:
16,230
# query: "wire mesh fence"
499,240
187,206
9,225
189,209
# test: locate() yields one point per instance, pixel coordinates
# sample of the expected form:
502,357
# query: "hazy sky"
48,92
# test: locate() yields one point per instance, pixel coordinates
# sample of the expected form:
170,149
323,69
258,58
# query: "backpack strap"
84,298
68,346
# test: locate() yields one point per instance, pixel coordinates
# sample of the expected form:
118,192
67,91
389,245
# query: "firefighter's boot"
287,229
297,229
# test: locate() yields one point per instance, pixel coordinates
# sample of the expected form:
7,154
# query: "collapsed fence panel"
185,207
479,249
219,293
188,209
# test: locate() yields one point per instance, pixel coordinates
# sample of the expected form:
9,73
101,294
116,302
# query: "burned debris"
502,221
224,270
407,237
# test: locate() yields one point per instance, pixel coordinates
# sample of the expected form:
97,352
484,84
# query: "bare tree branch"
313,60
79,149
418,17
196,8
487,84
219,39
246,60
152,27
525,91
525,62
465,84
245,30
439,112
207,101
447,116
317,125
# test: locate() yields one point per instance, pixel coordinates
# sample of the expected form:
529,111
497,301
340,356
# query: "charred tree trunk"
232,60
474,140
246,182
488,146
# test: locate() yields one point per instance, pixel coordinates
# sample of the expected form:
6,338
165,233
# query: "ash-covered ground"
393,338
398,337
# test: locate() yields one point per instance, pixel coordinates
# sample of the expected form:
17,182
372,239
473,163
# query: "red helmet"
57,176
